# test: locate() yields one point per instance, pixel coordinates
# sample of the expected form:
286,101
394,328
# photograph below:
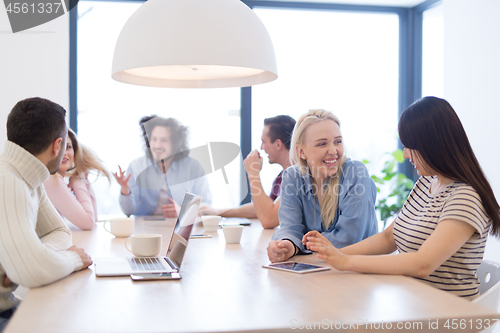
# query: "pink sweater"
79,208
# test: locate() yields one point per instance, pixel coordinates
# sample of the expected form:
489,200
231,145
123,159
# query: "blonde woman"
76,200
324,191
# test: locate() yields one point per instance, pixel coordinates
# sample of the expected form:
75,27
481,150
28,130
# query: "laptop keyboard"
146,264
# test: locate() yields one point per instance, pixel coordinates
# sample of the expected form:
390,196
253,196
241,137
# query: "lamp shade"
194,44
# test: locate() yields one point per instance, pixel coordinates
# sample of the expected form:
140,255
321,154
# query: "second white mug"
210,222
144,245
120,227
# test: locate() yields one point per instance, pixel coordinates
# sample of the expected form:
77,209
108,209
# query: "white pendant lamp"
194,44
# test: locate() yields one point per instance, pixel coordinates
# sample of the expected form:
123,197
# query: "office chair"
489,290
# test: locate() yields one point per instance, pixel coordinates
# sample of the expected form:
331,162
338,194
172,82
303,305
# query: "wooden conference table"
224,288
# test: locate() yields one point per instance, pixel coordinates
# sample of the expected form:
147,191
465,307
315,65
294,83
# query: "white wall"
34,63
472,82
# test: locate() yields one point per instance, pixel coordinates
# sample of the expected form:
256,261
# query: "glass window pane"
433,52
344,62
109,111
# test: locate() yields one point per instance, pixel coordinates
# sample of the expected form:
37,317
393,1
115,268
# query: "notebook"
171,262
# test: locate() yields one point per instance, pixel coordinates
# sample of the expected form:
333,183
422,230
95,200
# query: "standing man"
276,137
35,244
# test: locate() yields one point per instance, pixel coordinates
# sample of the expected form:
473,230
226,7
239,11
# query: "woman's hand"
72,181
123,181
316,242
280,250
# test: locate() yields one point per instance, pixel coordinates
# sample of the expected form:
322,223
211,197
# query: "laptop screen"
183,227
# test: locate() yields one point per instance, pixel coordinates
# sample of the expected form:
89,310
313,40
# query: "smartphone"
200,236
155,276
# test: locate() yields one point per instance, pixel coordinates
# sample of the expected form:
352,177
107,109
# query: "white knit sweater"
33,237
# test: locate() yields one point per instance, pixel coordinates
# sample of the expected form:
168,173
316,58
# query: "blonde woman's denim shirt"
300,211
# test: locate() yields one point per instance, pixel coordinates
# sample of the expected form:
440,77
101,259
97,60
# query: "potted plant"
392,187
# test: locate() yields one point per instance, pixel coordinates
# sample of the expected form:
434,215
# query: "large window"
433,52
109,111
344,62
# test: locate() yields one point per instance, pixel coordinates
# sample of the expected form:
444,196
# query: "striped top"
419,217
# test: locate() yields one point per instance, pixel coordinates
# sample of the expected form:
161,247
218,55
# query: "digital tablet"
297,267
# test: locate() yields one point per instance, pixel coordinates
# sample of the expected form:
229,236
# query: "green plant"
392,187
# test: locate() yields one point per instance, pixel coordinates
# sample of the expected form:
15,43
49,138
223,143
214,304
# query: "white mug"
120,227
210,222
232,233
144,245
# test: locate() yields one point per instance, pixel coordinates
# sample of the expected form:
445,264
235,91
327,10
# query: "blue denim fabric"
186,175
354,221
5,321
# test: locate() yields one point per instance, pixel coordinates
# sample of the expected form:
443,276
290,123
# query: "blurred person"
441,232
76,200
35,245
154,184
276,137
324,191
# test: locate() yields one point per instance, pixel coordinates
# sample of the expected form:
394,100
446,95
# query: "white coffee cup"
210,222
232,233
120,227
144,245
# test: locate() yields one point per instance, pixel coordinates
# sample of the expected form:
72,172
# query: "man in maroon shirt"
276,138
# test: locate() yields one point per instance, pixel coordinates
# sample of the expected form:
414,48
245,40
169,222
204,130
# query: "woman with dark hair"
156,183
75,200
441,231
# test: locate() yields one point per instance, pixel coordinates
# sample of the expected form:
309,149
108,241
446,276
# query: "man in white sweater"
35,245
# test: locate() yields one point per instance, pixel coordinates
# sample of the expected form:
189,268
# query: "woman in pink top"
76,200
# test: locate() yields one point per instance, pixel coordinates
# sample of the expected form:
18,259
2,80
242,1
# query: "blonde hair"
86,160
331,197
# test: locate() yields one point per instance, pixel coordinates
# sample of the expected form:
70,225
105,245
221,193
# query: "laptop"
171,262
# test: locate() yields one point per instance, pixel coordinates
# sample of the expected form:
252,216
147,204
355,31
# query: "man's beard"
55,163
53,166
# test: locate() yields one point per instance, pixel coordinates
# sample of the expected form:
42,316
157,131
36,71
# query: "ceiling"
394,3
